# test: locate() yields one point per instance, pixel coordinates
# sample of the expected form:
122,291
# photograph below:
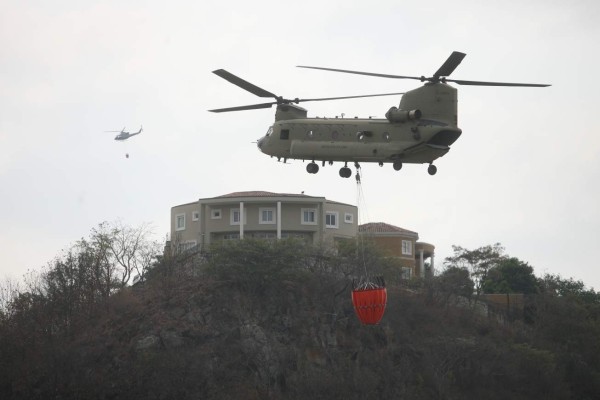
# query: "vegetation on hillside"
259,319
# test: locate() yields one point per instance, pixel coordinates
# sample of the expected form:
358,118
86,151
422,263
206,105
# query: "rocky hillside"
258,321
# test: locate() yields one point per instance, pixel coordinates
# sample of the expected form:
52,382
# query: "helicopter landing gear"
345,172
312,168
397,165
432,169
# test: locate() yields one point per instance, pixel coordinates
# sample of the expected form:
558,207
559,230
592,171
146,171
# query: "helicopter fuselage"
360,140
419,131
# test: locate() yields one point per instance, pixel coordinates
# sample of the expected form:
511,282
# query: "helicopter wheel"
345,172
432,169
312,168
397,165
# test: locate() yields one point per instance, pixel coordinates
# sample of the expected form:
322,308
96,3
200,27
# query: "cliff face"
209,340
258,323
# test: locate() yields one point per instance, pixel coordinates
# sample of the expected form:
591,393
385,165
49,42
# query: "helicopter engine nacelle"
394,114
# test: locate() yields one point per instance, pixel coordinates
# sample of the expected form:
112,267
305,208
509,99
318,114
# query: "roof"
257,194
260,194
270,194
382,227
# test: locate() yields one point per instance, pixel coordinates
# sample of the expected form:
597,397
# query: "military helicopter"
124,135
418,131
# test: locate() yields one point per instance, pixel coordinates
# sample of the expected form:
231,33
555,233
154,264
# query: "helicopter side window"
284,134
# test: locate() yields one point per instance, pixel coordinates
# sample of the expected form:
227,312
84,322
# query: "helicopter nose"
260,142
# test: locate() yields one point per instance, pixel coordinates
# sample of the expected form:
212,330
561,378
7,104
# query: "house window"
406,273
331,219
309,216
288,235
266,215
180,222
231,236
215,213
265,235
186,246
195,215
407,247
234,217
349,218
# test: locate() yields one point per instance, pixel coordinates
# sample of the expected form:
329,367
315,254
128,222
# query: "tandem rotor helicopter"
418,131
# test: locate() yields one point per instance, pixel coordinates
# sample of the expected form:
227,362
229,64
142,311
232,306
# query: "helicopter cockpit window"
284,134
270,131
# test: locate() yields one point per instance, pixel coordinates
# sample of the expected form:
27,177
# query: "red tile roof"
382,227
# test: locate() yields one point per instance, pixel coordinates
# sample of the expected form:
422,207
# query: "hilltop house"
402,244
267,215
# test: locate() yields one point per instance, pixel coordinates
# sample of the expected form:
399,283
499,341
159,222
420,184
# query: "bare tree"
9,290
125,250
478,262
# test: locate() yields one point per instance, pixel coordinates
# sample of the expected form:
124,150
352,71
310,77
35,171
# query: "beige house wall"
208,229
392,247
190,233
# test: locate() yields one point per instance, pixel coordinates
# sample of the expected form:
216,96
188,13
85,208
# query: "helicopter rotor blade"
480,83
228,76
242,108
268,105
349,97
363,73
446,69
450,64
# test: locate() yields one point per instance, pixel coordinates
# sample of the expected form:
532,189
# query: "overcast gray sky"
524,173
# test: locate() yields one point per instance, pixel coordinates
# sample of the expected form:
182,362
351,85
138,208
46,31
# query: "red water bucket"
369,304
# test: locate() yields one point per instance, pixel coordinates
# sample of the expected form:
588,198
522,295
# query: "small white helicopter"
124,135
